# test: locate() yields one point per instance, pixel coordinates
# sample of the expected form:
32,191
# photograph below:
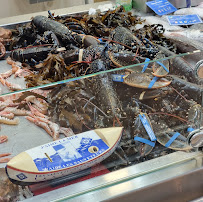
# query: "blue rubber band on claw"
153,82
190,129
140,139
172,139
162,65
146,65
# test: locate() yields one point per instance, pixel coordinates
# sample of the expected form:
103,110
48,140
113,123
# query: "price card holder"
161,7
184,19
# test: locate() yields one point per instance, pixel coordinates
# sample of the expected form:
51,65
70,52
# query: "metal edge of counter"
127,179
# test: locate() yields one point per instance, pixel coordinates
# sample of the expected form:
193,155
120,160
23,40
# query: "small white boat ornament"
63,157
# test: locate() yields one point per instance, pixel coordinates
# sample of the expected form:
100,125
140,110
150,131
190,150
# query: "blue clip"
162,65
190,129
153,82
146,65
147,127
172,139
152,144
117,77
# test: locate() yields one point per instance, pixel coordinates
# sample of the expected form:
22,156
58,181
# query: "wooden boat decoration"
63,157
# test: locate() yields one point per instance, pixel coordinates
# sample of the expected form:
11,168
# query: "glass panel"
149,86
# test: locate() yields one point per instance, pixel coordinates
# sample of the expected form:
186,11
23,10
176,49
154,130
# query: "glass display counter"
66,81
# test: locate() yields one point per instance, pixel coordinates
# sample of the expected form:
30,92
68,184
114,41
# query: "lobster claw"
145,80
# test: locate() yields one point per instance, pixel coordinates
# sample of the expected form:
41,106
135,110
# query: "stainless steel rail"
126,180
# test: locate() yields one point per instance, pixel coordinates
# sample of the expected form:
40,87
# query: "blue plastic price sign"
184,19
161,7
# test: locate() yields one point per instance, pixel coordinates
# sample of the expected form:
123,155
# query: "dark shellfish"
125,36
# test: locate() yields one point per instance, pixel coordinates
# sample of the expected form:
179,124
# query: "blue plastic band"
117,77
148,41
190,129
147,127
152,144
100,40
162,65
172,139
153,82
146,65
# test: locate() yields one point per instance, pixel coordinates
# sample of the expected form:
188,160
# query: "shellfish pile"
97,48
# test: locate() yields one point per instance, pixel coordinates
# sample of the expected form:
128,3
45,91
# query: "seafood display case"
99,107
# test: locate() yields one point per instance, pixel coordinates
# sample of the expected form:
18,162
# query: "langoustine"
4,138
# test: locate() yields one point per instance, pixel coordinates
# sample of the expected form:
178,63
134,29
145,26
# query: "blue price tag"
117,77
153,82
146,65
147,127
184,19
161,7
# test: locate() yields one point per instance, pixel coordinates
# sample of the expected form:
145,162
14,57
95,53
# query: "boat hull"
25,176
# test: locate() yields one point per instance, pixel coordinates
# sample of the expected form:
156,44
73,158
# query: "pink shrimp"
5,160
9,121
13,86
43,125
3,50
6,74
2,80
7,114
36,112
3,138
55,128
66,131
40,104
15,111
